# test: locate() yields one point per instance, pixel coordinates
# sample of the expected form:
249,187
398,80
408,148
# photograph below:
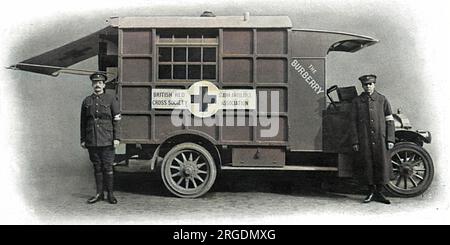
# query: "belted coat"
372,127
100,120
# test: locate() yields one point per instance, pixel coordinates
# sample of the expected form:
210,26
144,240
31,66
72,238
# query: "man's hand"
83,145
356,147
116,143
390,145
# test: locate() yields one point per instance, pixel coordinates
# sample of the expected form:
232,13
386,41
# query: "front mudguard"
417,137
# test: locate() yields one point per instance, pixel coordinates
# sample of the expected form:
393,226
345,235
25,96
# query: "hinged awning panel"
351,45
54,60
318,43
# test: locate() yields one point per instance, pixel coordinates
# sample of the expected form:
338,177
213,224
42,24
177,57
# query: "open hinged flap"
322,42
351,45
57,60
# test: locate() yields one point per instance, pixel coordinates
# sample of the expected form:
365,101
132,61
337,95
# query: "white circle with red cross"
204,99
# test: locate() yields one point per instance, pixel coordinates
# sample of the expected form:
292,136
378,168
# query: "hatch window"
187,54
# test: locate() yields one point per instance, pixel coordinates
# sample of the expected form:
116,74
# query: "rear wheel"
188,170
413,170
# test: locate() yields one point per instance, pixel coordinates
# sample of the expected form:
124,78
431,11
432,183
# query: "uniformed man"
100,134
372,137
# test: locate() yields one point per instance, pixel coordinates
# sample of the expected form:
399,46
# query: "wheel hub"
189,169
407,169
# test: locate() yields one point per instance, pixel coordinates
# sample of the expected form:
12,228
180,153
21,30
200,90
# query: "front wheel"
413,170
188,170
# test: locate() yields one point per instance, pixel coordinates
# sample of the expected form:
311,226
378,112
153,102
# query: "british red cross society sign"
204,99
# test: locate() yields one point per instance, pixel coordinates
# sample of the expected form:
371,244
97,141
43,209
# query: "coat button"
96,111
373,143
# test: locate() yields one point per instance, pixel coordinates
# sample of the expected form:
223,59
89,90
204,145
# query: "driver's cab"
309,121
336,119
340,98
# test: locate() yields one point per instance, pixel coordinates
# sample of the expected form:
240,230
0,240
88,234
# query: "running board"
288,168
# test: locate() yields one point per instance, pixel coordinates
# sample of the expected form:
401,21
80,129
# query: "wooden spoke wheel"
188,170
412,170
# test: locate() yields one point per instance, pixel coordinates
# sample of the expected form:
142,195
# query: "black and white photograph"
197,112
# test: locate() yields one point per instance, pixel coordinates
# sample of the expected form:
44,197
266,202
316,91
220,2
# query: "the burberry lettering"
307,77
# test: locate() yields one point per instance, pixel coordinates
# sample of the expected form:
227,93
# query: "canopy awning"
318,43
56,60
351,45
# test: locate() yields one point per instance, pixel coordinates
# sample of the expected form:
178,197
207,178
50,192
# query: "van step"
134,165
288,168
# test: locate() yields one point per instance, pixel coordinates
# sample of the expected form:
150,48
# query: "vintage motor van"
200,95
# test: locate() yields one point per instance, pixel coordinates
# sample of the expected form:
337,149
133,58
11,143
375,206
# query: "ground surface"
236,198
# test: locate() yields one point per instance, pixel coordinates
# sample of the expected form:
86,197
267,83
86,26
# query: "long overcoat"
372,128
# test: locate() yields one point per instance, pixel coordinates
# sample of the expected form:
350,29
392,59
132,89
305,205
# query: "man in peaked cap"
373,135
100,134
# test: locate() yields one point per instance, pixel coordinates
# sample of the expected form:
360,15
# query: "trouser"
102,159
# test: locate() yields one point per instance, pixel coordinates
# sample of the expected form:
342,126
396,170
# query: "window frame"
187,43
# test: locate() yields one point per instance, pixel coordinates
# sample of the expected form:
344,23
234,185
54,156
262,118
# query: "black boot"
371,196
96,198
379,197
110,186
99,184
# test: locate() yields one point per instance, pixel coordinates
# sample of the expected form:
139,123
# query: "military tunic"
100,117
372,128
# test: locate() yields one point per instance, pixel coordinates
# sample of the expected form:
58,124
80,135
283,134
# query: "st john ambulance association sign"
204,99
